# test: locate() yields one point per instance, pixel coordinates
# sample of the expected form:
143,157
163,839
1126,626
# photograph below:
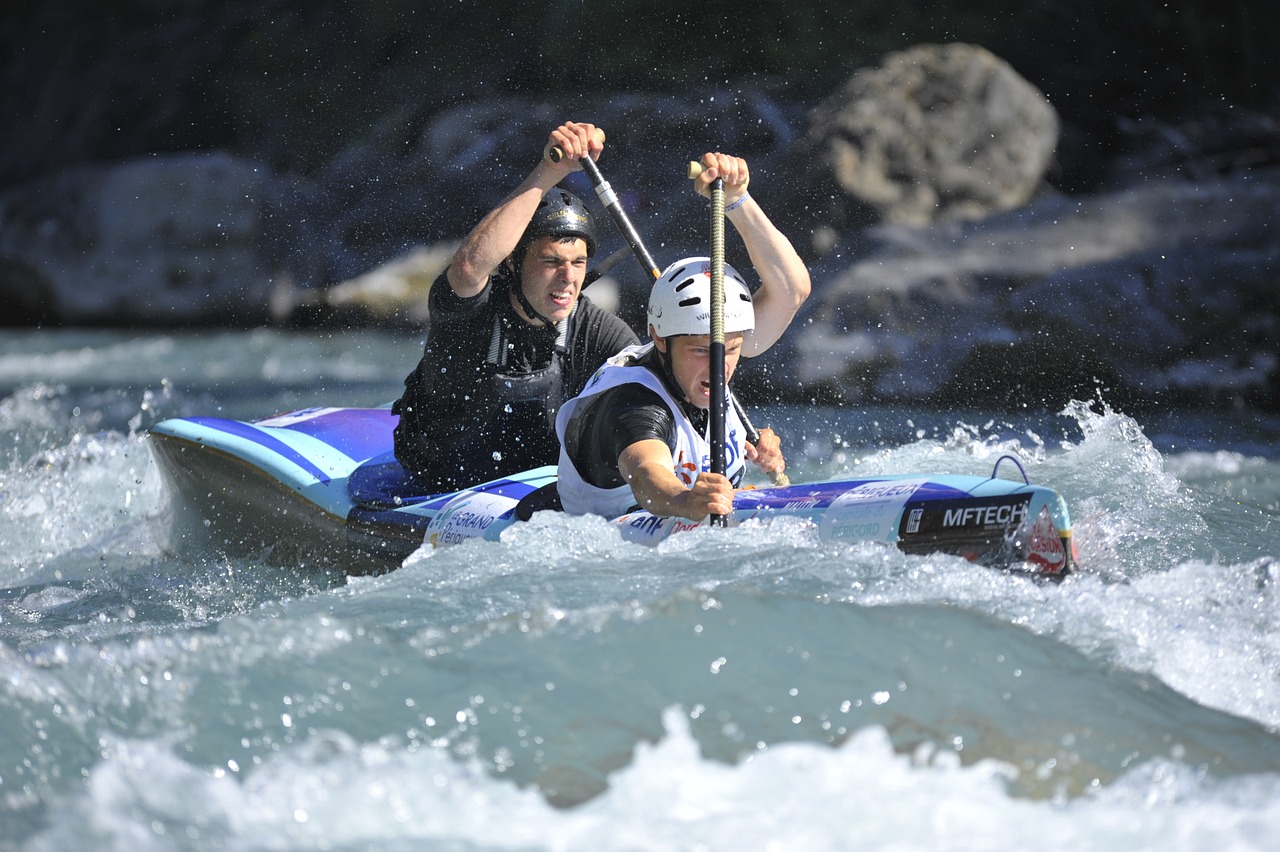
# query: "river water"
750,688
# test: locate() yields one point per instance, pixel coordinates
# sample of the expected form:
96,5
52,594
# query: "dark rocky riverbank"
1025,221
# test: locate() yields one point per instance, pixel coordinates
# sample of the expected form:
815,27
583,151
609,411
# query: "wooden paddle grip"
695,169
555,155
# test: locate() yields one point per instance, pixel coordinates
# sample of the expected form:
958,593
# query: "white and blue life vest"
692,453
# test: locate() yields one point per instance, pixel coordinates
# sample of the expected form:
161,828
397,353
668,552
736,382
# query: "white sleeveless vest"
692,453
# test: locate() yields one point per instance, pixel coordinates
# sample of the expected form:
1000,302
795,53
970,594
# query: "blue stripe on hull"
268,442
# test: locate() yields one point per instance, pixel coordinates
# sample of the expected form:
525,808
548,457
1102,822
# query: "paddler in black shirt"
511,336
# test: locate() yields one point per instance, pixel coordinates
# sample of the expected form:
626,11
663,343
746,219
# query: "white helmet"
680,302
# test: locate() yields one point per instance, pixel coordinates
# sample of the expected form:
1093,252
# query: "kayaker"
638,436
512,337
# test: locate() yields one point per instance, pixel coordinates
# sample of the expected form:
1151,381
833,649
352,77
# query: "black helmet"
560,213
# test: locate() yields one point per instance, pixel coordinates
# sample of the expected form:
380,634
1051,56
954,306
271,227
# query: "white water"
748,688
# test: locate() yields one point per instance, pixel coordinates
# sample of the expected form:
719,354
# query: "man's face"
690,357
552,275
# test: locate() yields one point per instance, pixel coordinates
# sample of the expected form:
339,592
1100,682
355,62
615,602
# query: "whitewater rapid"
561,689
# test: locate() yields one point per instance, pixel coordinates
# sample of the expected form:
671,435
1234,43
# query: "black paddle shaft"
619,215
616,211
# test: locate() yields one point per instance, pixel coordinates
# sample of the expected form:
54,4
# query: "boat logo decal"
1003,516
913,520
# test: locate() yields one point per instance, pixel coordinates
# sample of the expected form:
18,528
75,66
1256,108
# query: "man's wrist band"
735,205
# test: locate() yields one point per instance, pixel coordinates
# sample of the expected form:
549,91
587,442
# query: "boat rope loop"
1016,463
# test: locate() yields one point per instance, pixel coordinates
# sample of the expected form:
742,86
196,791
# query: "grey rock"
1168,286
154,241
934,133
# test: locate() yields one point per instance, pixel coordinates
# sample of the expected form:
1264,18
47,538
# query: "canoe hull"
322,485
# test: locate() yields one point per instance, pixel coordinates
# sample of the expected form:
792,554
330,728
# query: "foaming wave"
98,493
335,793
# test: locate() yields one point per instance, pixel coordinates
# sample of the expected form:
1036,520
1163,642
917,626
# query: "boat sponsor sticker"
644,528
1044,547
868,512
986,517
468,516
976,528
1002,515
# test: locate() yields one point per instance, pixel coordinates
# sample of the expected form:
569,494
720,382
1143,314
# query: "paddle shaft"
616,211
718,384
753,434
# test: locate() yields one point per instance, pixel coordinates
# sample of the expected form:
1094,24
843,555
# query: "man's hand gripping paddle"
610,201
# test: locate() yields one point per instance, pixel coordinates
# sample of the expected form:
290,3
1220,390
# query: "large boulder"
934,133
164,240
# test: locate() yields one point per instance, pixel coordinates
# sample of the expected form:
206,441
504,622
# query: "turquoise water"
560,689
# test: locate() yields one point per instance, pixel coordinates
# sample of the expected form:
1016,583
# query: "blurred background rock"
1031,200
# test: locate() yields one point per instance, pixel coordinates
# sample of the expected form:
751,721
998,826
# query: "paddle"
610,201
718,384
753,434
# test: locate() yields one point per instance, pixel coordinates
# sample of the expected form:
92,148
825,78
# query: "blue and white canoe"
322,483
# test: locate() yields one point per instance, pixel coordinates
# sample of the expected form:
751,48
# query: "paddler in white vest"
638,434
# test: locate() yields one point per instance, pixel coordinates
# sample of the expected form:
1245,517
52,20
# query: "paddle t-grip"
554,154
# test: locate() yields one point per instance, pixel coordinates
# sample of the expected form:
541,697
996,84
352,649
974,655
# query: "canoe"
323,484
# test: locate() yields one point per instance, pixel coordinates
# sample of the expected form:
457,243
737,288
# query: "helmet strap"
526,305
563,328
659,363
